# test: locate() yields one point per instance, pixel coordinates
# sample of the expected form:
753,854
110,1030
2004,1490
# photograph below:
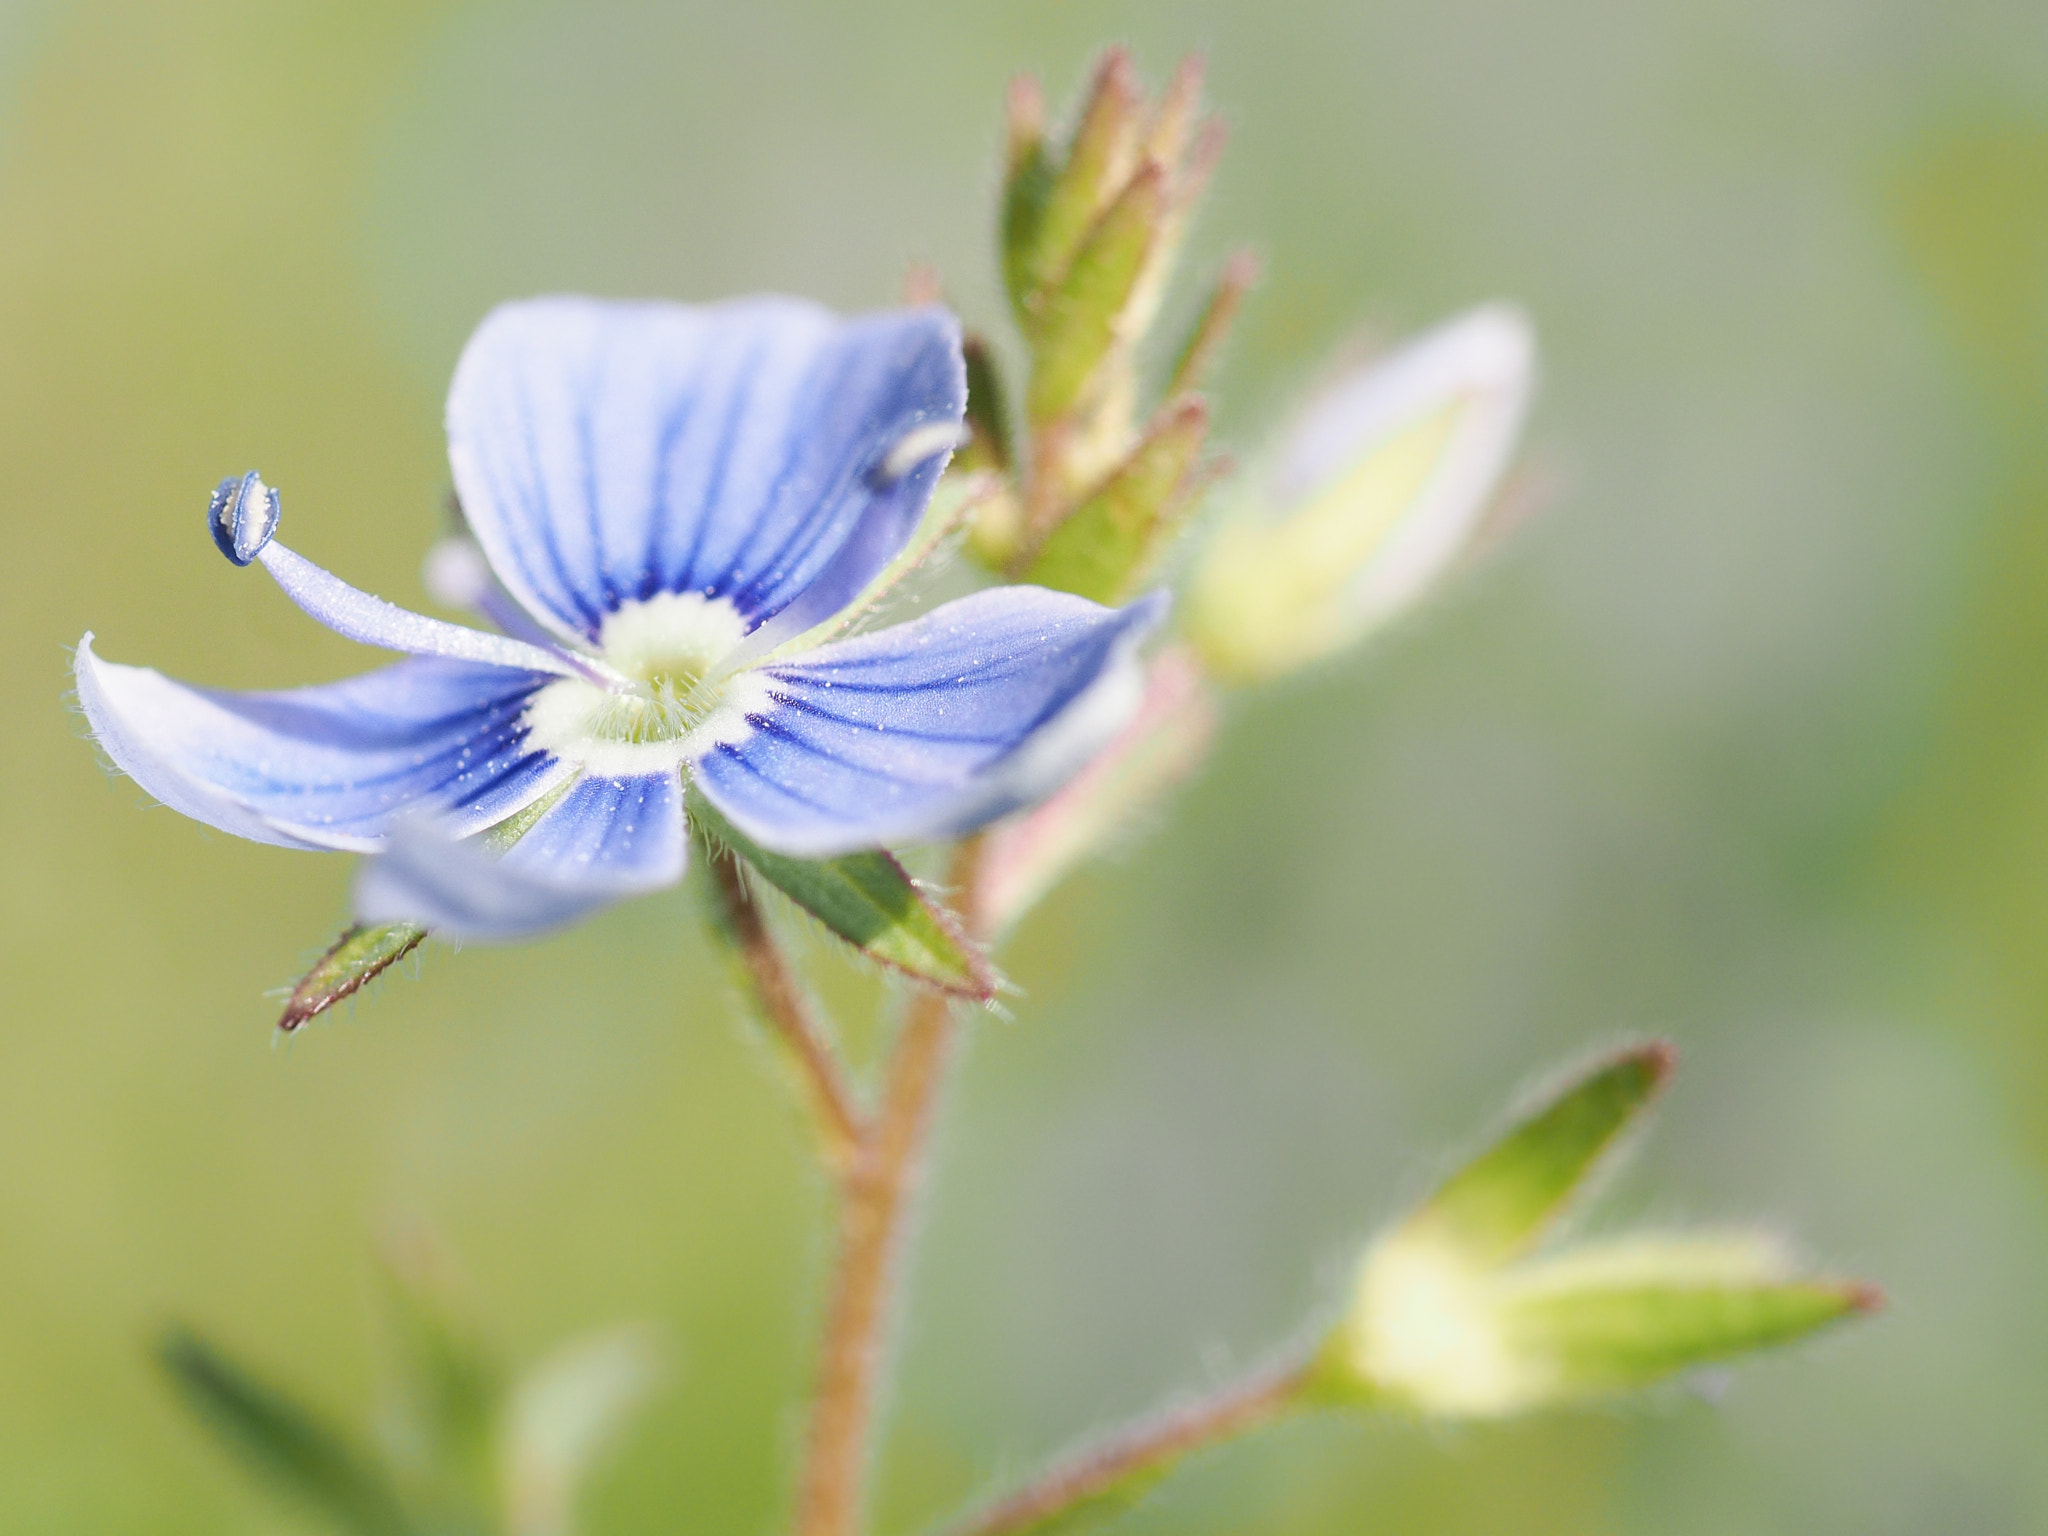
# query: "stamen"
242,516
372,621
917,445
456,574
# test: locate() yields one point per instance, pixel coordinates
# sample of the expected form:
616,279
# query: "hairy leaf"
301,1455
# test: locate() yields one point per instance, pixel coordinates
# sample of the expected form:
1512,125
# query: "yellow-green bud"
1375,489
1450,1315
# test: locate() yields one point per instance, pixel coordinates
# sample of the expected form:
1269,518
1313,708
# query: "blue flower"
680,508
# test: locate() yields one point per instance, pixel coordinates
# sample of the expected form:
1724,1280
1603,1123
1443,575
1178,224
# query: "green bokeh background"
1744,741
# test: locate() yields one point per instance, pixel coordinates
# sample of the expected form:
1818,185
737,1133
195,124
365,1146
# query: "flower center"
666,652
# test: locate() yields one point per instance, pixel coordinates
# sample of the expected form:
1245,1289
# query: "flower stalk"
1119,1470
787,1010
876,1211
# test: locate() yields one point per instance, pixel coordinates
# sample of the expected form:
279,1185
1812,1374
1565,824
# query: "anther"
242,516
917,445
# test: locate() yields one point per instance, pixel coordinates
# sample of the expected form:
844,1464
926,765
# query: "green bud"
1166,739
1052,224
1108,547
1376,489
354,960
1198,353
1449,1316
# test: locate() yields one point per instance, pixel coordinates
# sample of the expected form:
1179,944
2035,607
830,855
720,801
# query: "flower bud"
242,516
1375,489
1451,1316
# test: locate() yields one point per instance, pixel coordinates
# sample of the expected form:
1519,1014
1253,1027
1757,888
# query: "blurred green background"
1744,741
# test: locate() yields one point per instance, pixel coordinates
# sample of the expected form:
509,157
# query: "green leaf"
1110,544
301,1455
869,901
564,1415
359,956
1501,1202
1080,320
452,1386
1616,1316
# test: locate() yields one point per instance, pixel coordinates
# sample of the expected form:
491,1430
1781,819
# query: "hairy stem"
789,1013
879,1197
1127,1462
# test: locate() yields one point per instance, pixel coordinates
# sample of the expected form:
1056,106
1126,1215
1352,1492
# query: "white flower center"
670,702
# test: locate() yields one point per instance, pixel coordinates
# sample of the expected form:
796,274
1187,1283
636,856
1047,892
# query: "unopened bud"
242,516
1450,1316
1431,1333
1370,495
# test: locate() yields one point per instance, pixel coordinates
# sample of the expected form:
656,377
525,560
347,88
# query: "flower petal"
605,452
928,730
324,767
605,839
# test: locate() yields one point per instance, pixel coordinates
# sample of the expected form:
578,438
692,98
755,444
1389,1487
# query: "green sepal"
302,1456
1079,321
358,957
1111,543
868,900
1054,220
1205,339
988,417
1024,197
1612,1318
1499,1204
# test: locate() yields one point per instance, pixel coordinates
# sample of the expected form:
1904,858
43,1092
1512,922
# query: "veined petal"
370,620
605,452
325,767
928,730
604,840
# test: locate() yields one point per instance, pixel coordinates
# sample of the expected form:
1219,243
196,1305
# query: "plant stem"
879,1198
789,1013
1137,1454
